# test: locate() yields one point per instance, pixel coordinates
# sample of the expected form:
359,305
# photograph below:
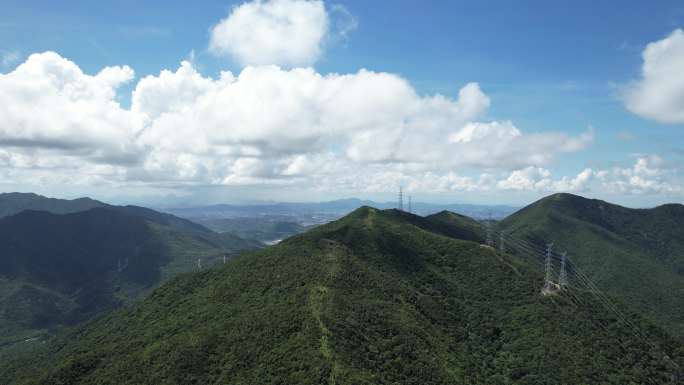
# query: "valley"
60,269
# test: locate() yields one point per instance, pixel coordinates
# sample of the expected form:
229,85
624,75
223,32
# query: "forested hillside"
378,297
58,270
636,255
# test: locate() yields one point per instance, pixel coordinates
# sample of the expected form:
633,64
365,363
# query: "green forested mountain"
57,270
636,255
378,297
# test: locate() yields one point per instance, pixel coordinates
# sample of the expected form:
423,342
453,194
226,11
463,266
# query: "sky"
300,100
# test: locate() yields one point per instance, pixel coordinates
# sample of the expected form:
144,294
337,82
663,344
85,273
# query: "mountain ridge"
372,298
15,202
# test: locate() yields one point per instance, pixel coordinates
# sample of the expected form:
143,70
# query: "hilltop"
633,254
14,203
458,226
377,297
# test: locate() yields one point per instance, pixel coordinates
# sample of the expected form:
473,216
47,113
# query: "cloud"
49,103
529,178
535,180
265,125
276,120
538,179
273,117
649,174
659,94
170,91
288,33
502,145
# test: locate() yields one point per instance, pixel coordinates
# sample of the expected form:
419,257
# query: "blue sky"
547,67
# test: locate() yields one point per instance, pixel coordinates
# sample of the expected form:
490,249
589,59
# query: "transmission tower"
410,209
563,277
502,245
199,263
224,259
548,285
401,199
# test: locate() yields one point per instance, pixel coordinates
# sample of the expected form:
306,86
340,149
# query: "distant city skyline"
301,100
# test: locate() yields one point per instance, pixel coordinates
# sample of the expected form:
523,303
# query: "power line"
583,281
563,276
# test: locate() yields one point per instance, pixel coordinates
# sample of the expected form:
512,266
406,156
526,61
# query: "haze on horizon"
302,100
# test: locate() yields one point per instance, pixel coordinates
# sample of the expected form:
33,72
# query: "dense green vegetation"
378,297
636,255
58,270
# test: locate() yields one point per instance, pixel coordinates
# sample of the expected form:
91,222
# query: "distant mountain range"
334,209
14,203
271,222
64,261
376,297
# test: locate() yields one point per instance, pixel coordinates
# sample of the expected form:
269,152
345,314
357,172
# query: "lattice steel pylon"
548,284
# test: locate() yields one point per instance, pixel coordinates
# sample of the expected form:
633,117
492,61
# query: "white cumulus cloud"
277,120
649,174
500,144
538,179
266,125
48,102
659,94
288,33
